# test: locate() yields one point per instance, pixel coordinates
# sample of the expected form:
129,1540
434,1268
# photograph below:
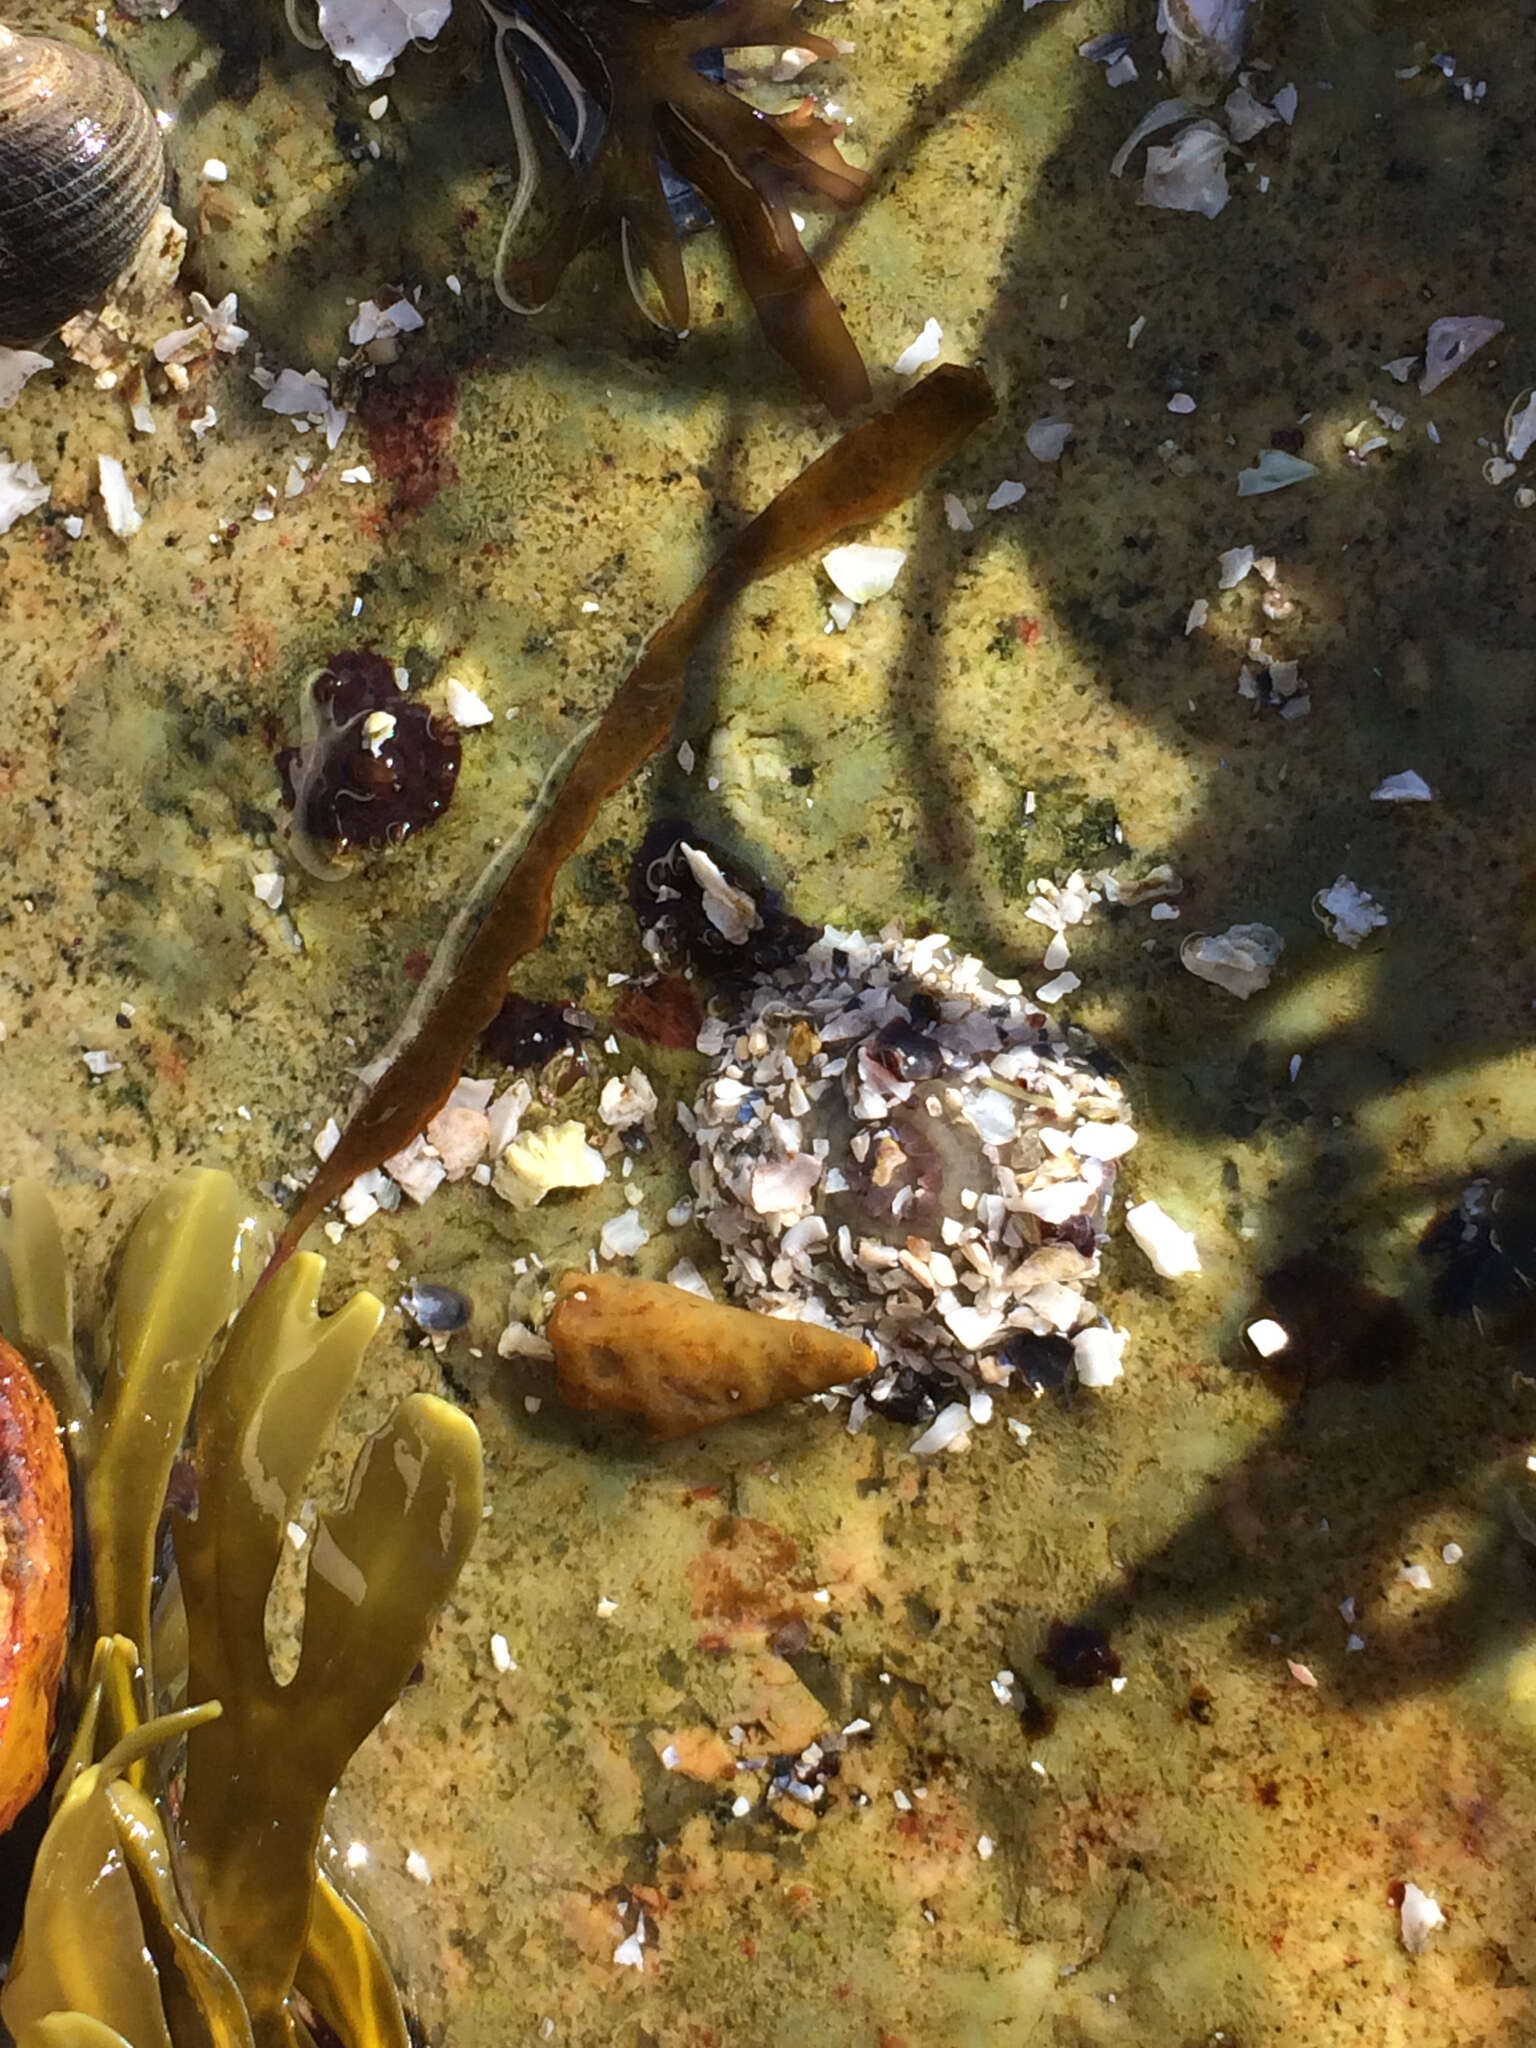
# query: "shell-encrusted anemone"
895,1141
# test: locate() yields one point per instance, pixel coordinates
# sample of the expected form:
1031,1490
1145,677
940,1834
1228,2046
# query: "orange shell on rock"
36,1543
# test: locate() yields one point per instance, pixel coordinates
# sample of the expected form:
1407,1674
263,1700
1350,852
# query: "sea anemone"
895,1141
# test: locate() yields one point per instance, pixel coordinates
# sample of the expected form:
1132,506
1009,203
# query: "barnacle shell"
82,170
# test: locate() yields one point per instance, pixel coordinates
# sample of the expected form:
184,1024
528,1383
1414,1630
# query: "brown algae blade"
871,470
180,1283
379,1569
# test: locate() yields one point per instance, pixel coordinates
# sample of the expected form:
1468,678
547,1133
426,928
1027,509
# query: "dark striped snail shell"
82,170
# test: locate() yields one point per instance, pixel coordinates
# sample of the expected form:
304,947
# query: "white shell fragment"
22,491
949,1430
1190,174
862,572
373,322
1449,344
623,1235
16,366
1246,116
729,909
1404,788
1273,471
1202,39
1420,1916
123,515
1520,427
369,35
1269,1339
920,352
627,1101
1240,959
1047,439
1348,913
556,1156
466,707
1234,565
1170,1248
1163,115
1097,1356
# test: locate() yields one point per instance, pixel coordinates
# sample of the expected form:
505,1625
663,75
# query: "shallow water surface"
1208,1850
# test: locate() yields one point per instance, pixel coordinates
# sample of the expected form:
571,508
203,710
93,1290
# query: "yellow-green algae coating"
1221,1869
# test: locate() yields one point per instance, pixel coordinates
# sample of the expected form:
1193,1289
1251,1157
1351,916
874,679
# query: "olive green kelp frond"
379,1569
188,1921
181,1281
37,1308
89,1950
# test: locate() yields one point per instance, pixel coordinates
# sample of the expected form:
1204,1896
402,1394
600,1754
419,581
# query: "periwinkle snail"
82,170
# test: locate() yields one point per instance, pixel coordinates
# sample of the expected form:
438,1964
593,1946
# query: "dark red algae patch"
1337,1327
410,426
665,1012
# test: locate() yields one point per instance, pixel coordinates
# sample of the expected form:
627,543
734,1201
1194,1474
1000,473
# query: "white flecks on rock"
1007,493
1415,1575
1170,1248
267,887
1240,959
956,516
101,1063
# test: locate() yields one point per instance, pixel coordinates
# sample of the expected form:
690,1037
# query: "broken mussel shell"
374,765
681,1363
82,172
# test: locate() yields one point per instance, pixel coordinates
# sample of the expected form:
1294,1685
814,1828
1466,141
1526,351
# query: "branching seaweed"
642,100
195,1932
872,469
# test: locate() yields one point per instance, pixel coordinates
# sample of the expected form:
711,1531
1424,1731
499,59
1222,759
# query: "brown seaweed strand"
871,470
